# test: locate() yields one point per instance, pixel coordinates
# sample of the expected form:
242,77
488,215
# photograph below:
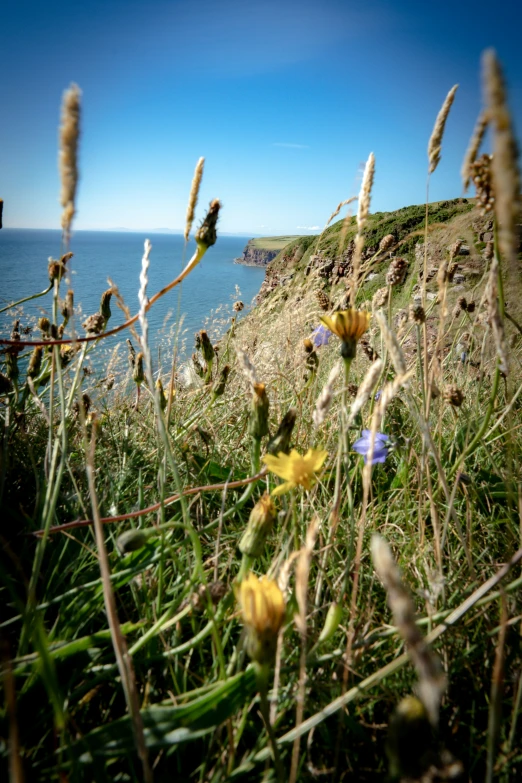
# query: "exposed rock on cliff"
256,256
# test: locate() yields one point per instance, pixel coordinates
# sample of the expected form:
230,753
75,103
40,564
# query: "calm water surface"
207,294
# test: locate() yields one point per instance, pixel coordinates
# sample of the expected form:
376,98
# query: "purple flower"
381,446
321,336
378,395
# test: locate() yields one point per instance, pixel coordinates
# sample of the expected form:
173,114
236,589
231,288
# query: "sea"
203,300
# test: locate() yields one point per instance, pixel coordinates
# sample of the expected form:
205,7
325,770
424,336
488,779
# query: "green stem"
27,298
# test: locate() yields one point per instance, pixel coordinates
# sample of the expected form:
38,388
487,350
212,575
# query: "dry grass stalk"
435,142
432,681
338,209
193,197
123,659
473,149
506,180
367,386
494,316
302,573
324,401
363,210
246,366
68,155
392,344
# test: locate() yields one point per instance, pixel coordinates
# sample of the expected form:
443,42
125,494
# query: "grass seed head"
435,142
193,197
68,155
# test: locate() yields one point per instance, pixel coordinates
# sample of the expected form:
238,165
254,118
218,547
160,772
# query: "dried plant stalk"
435,142
473,149
193,197
506,180
68,155
432,682
302,573
338,209
494,316
367,386
363,211
324,401
392,344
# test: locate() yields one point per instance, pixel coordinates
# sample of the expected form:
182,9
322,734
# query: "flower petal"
282,488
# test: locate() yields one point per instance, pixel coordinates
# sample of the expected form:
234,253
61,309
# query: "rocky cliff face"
256,256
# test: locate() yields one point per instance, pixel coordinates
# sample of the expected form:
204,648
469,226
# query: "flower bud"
138,374
35,362
131,541
161,394
94,324
331,624
221,383
105,305
68,306
44,325
206,234
258,424
260,523
280,442
66,354
409,740
206,347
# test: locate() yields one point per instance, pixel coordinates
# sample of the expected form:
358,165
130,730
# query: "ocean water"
204,299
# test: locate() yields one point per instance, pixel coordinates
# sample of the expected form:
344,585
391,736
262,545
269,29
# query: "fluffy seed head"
193,197
68,156
435,142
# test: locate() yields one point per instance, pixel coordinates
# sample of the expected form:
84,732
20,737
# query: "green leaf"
164,726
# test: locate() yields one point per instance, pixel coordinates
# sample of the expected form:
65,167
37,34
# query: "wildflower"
321,336
381,446
260,523
349,326
238,306
263,609
295,469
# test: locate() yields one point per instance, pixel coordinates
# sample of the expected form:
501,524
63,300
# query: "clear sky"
284,99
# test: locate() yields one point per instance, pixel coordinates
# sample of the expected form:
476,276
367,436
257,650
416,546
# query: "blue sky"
285,100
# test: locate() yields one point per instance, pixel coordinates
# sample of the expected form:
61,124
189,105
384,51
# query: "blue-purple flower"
321,336
381,446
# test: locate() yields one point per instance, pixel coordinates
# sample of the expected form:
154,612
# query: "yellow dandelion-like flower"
349,326
295,469
262,607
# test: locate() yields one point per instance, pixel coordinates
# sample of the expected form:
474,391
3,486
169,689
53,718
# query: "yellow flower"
263,609
349,326
295,468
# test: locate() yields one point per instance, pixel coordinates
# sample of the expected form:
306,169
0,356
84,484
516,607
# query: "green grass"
272,243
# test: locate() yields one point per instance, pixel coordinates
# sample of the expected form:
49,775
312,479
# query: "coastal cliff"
259,252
